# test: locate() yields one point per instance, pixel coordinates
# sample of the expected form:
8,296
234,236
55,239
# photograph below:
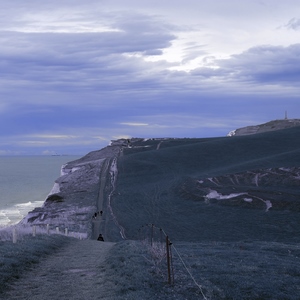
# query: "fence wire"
162,232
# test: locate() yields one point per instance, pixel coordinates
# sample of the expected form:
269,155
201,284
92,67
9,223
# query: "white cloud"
134,124
121,136
10,152
49,152
53,136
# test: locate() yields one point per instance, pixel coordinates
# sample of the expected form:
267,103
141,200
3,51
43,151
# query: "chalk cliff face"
269,126
74,197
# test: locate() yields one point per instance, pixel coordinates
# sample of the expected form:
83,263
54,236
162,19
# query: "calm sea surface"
25,182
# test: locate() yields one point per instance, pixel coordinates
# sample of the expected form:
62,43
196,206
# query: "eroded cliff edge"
74,198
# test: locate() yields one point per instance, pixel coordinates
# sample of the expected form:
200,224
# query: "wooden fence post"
168,259
14,235
33,230
152,229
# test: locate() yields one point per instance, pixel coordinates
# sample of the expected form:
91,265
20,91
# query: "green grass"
20,257
211,270
235,252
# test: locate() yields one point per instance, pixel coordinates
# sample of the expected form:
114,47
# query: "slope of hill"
269,126
221,189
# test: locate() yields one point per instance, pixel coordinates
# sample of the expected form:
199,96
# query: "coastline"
25,184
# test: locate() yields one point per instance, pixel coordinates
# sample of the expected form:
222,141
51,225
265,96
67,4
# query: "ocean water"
25,182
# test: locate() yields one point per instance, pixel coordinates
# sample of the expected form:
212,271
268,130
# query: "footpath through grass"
57,267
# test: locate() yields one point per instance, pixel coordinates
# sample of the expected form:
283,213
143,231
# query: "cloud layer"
74,75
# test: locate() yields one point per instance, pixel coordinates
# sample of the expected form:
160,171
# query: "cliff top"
265,127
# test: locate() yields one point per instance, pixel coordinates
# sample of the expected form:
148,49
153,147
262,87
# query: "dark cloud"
262,65
77,49
294,24
97,61
267,65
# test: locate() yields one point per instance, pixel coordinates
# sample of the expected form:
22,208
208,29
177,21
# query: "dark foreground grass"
136,270
128,272
244,270
27,253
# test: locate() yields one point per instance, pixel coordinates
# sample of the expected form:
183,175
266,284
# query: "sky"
75,74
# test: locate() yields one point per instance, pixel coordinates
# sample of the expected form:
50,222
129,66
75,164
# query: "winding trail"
74,273
113,179
107,184
100,199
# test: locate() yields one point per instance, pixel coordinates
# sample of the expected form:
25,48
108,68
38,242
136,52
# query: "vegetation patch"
25,254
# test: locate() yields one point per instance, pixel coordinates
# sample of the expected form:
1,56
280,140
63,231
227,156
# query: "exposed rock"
54,198
275,188
73,199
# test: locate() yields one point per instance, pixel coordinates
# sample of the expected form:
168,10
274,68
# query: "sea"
25,182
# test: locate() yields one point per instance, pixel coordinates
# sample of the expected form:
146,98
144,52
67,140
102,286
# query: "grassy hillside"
152,173
237,247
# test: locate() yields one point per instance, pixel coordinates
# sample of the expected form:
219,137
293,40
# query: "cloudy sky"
76,74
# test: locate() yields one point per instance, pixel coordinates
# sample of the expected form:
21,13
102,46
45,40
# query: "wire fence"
161,249
17,232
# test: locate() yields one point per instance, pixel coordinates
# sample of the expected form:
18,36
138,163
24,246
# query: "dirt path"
97,221
72,273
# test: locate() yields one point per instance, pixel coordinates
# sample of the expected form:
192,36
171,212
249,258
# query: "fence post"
57,229
14,235
48,230
168,259
66,231
33,230
152,229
